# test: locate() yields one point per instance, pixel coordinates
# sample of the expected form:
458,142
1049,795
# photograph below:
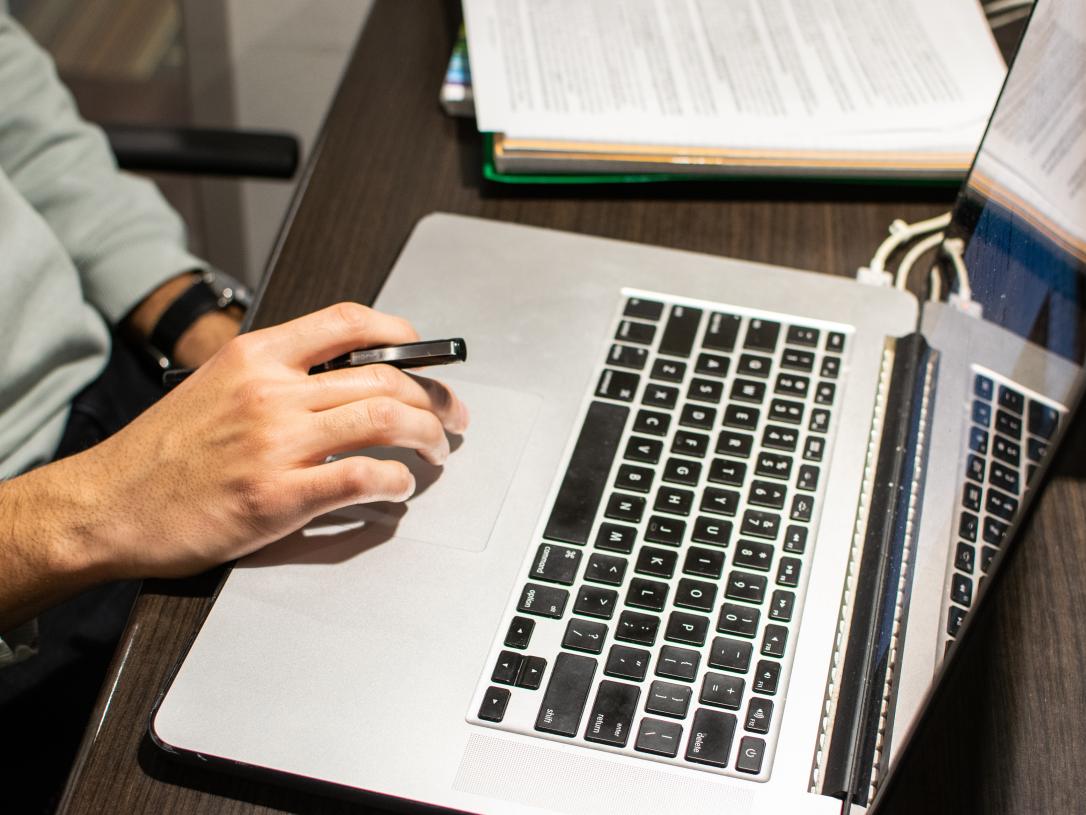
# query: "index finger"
322,335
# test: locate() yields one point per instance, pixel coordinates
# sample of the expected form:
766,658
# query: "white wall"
262,64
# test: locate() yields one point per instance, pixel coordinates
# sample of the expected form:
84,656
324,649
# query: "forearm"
53,544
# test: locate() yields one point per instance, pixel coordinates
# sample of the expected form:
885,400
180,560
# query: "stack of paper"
864,88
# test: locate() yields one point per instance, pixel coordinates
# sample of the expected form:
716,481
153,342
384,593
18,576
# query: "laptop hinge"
862,687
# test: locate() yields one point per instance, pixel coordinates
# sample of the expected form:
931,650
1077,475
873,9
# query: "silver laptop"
712,530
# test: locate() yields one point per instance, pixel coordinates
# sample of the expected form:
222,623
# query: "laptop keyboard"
658,609
1009,429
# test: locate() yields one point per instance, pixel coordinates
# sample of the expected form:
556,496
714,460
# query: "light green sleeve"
123,238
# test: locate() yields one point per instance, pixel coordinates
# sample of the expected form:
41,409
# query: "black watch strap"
196,301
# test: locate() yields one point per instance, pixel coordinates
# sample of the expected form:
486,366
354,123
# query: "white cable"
900,233
935,283
901,280
1000,20
996,6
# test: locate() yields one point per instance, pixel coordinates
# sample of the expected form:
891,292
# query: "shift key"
566,695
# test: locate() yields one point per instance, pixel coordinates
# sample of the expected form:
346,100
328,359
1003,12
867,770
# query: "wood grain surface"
1011,734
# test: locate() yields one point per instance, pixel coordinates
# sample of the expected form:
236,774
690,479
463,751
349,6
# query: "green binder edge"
491,173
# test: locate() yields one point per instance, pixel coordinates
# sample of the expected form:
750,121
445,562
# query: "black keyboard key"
1007,450
831,367
688,443
791,385
622,507
661,396
586,476
704,562
1011,399
555,564
747,390
767,675
531,673
656,562
606,569
631,331
627,356
633,626
647,594
761,524
741,416
729,654
785,410
780,438
987,555
1008,424
820,421
711,365
795,539
721,332
566,695
495,701
721,502
668,370
762,335
705,390
658,737
634,479
751,753
680,332
651,423
1001,505
698,417
974,468
753,555
690,629
774,465
754,365
814,448
742,621
781,606
796,360
584,635
835,342
759,714
978,441
807,478
971,497
668,531
668,699
640,448
802,508
767,494
1035,451
802,335
695,594
722,690
825,393
727,471
711,735
611,717
1042,419
643,309
712,531
674,500
734,444
677,663
983,387
994,531
507,668
961,590
627,663
968,526
788,572
954,620
519,633
964,557
774,641
593,601
682,471
982,413
616,538
543,601
620,385
746,586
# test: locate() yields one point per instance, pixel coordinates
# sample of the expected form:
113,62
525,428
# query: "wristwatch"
214,291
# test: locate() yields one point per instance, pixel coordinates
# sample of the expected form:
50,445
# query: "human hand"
235,457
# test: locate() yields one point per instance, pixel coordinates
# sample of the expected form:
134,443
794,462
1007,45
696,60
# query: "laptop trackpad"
455,505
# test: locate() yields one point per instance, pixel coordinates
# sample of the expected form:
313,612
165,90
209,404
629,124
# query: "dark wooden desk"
1013,735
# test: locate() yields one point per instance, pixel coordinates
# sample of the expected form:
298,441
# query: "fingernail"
409,491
